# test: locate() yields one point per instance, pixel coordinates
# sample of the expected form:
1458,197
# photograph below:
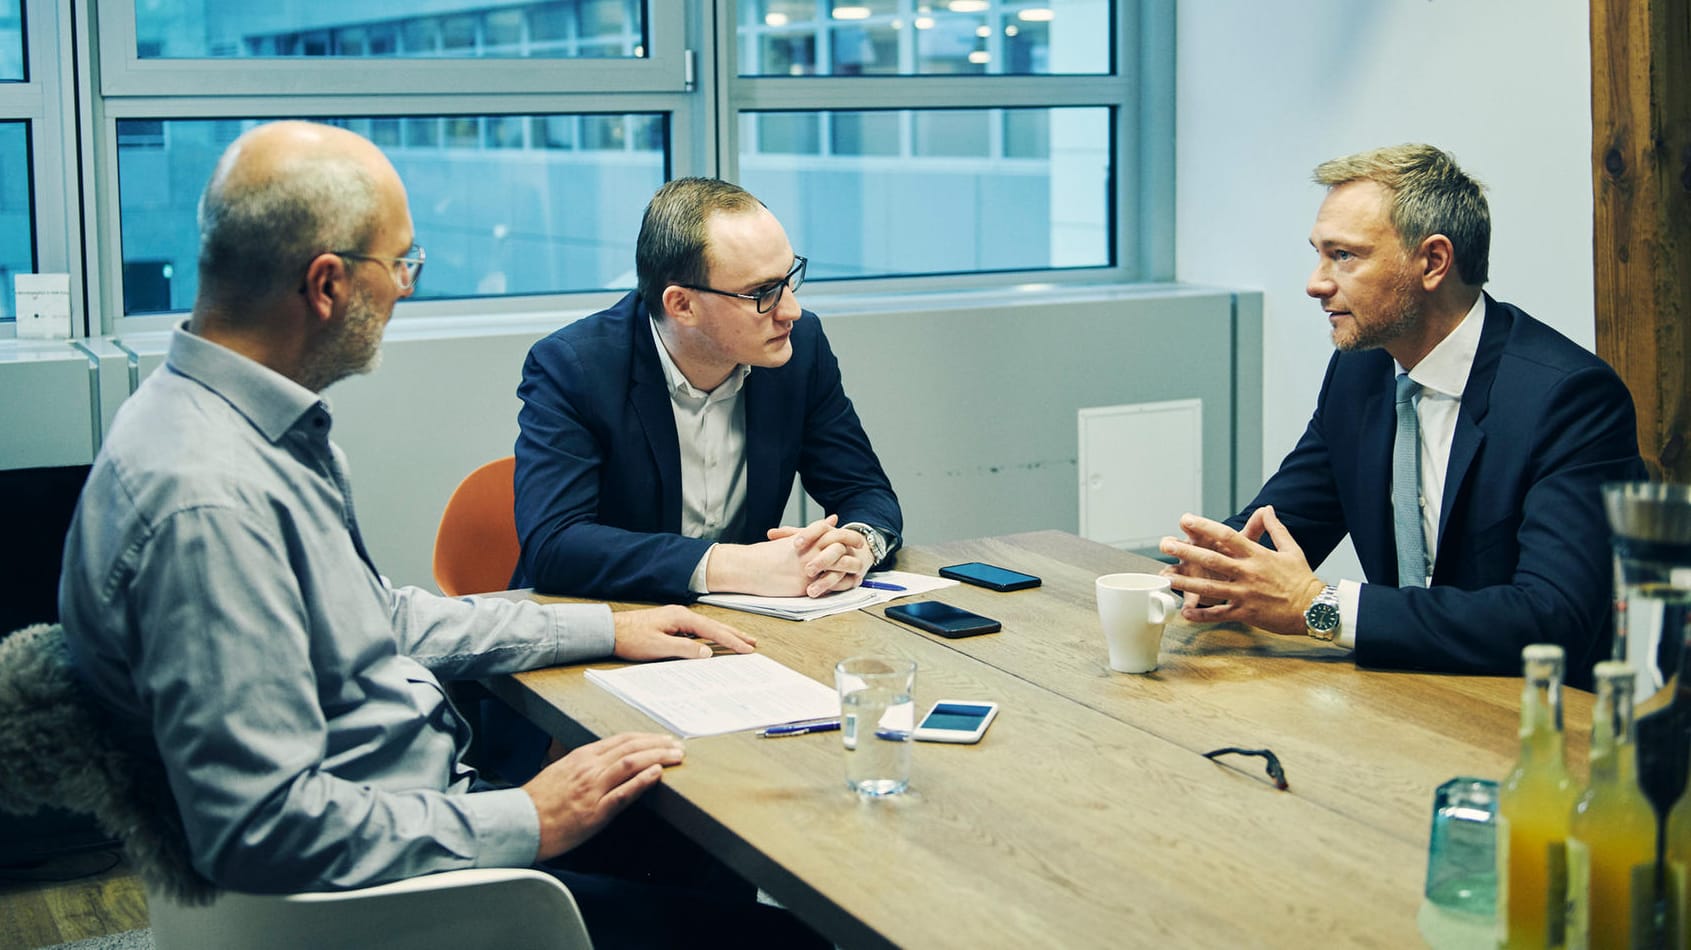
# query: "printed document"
810,608
728,693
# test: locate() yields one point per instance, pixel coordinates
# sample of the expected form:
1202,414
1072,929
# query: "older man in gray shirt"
219,600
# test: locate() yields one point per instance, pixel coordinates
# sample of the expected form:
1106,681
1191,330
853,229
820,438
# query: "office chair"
476,907
58,750
476,549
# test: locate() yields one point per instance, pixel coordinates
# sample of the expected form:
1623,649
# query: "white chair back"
509,908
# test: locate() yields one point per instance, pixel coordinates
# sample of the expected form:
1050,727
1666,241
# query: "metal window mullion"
760,94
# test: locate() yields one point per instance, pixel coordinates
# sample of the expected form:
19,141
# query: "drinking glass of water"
1461,892
877,715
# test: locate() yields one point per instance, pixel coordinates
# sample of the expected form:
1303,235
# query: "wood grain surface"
1086,817
1372,744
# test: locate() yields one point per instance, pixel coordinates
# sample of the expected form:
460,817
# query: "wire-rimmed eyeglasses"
766,298
406,275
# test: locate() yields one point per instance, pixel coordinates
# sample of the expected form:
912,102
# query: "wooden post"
1641,178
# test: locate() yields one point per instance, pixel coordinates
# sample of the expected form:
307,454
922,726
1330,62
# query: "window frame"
173,89
123,72
1141,132
690,75
45,100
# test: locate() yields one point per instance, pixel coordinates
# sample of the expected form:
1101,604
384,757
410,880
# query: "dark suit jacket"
1523,546
598,478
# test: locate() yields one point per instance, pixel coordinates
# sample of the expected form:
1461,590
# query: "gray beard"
350,352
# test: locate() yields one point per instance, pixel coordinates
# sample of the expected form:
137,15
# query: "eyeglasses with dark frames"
768,298
406,276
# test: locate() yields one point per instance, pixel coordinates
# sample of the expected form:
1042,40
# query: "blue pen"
880,585
799,729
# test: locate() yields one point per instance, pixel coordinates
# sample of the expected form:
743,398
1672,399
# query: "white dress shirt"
1443,374
711,430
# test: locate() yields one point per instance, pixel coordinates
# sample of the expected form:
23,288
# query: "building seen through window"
519,199
11,41
524,204
17,222
197,29
938,191
923,37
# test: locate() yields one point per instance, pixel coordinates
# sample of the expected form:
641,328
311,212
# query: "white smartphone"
956,720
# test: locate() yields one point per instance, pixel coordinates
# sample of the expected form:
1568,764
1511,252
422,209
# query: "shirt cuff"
1350,601
699,582
581,632
507,828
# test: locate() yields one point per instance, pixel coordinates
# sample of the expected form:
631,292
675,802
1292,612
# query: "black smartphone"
943,619
989,575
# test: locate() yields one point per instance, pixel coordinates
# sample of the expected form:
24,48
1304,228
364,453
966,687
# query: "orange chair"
475,550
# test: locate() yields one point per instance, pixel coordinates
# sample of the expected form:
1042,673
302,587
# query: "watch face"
1323,617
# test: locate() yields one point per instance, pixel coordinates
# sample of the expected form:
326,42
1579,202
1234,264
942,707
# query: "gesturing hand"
1240,578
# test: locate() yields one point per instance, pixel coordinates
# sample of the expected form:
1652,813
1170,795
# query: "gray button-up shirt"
219,601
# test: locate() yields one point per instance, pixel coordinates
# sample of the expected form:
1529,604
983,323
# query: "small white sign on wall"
1141,466
43,305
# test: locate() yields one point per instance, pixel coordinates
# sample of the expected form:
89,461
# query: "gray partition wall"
970,398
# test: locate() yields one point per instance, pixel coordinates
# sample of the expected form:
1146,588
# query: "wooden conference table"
1087,817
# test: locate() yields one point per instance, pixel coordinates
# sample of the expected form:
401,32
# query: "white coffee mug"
1132,609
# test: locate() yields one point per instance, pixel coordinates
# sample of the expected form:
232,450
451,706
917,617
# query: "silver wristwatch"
877,545
1321,619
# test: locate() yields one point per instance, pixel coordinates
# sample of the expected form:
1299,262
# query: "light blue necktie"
1406,488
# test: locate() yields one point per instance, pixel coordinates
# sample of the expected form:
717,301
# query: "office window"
936,191
906,138
928,141
501,205
17,221
11,41
452,29
924,37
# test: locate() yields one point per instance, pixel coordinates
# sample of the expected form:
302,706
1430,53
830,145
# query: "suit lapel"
650,397
1476,402
1377,435
761,450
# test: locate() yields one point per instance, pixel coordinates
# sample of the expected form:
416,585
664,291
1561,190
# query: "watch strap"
877,543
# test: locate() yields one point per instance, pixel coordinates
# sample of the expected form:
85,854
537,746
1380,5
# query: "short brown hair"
673,245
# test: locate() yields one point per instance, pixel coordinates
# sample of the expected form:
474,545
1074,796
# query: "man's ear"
1437,257
678,305
326,285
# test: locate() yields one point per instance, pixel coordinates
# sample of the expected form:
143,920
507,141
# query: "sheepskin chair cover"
58,751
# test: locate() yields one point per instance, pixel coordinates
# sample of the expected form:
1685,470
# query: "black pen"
799,729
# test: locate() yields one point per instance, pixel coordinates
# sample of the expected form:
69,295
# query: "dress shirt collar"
677,381
273,403
1445,368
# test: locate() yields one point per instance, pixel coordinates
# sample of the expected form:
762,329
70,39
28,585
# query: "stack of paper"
809,608
728,693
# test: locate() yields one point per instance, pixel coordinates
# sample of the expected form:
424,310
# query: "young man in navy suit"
660,438
1459,442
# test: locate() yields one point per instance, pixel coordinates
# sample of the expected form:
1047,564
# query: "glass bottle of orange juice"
1612,831
1534,803
1678,870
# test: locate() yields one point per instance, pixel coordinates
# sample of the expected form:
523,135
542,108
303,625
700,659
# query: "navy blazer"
598,480
1523,545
